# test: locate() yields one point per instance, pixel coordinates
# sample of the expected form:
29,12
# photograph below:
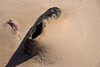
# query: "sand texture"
71,40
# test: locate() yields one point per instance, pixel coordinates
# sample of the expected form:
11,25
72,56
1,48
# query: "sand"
72,40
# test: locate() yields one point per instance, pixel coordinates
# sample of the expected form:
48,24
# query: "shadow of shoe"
19,57
29,47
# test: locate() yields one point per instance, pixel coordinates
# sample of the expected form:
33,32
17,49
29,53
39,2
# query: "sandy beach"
72,40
